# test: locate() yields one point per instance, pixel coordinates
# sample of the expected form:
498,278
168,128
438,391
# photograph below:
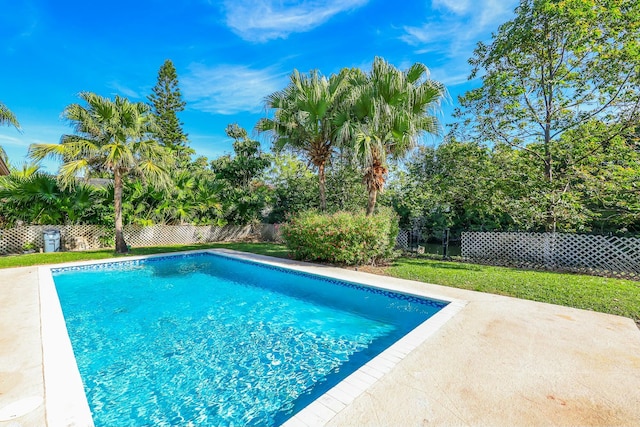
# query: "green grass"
614,296
60,257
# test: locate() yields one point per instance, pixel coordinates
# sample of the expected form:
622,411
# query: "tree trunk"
121,245
548,175
371,205
322,188
548,85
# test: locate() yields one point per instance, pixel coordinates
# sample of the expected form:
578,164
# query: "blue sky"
229,54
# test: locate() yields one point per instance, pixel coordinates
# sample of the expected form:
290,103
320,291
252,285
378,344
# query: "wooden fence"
581,253
83,237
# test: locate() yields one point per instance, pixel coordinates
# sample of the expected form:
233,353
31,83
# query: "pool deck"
498,361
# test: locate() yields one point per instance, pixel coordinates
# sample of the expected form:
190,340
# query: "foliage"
33,197
7,118
192,197
342,237
110,137
467,186
295,187
347,190
244,194
389,110
455,185
554,70
304,118
166,101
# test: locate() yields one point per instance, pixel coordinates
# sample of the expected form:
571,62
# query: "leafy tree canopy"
558,65
243,191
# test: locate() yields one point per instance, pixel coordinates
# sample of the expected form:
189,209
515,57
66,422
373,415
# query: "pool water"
205,339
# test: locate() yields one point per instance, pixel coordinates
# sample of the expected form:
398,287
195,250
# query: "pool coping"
65,399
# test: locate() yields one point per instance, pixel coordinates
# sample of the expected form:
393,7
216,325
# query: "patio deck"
500,361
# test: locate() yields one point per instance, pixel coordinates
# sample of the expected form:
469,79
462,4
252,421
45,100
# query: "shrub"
342,237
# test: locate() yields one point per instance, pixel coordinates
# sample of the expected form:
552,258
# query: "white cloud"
10,140
123,90
449,77
484,13
262,20
459,26
455,6
229,89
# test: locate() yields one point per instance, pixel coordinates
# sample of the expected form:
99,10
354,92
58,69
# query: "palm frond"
7,117
70,170
41,151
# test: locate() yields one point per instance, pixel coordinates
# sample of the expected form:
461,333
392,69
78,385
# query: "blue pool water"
205,339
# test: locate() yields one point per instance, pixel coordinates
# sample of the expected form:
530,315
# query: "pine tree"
166,101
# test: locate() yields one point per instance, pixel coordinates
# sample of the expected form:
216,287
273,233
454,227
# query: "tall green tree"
390,110
166,100
295,187
436,192
111,136
558,65
243,190
7,118
303,119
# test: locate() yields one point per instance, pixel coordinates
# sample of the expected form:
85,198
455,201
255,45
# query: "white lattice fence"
82,237
184,234
603,255
72,237
402,240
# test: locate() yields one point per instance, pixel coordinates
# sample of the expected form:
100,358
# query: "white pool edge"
65,400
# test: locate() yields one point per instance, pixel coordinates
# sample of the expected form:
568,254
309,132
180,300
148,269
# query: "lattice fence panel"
83,237
402,241
72,237
601,255
185,234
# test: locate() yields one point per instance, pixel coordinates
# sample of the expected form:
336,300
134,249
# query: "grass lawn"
614,296
60,257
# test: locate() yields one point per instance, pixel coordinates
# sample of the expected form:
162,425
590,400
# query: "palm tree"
304,118
7,118
390,111
111,136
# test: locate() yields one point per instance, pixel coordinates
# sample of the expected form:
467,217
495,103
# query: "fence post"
445,243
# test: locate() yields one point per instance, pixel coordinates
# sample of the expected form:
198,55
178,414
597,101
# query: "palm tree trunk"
121,245
322,188
374,180
371,205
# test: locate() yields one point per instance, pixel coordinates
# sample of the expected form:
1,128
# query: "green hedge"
343,237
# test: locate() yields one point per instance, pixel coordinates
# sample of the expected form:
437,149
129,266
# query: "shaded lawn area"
614,296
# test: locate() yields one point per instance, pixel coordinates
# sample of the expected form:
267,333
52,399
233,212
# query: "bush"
342,237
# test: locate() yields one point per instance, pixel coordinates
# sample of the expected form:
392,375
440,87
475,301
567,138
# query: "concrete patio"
498,362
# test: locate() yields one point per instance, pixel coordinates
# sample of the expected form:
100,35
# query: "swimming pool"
211,340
